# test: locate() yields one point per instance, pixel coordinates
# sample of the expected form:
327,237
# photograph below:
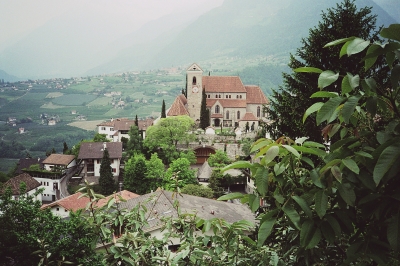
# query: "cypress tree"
204,113
106,180
136,121
163,115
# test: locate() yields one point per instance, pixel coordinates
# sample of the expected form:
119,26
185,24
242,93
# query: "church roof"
255,95
178,106
223,84
249,117
227,103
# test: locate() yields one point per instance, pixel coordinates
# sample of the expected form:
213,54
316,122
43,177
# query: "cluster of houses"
230,104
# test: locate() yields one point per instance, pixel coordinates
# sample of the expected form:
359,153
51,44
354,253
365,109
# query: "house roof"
249,117
227,103
125,124
14,183
216,84
74,203
26,163
94,150
161,203
178,107
59,159
255,95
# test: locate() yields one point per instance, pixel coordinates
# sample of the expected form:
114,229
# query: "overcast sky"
18,17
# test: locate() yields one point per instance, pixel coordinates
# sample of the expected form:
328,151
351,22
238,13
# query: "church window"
229,96
227,114
258,111
208,96
237,96
240,96
194,81
219,96
238,114
217,109
226,96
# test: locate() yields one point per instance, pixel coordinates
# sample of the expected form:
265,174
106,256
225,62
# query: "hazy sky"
18,17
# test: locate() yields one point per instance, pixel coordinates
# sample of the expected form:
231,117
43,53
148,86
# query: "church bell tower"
194,87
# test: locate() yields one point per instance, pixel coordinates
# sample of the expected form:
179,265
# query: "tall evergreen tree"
135,142
65,149
289,104
204,113
136,121
106,180
135,175
163,115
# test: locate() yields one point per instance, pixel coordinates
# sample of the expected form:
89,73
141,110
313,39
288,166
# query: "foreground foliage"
339,206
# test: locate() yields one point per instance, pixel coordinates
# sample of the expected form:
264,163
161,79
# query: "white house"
60,162
91,154
116,129
14,183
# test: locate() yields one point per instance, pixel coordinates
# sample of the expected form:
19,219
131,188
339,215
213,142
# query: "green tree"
136,121
179,174
164,137
214,182
190,155
135,175
155,171
26,230
163,115
198,190
135,142
106,180
65,149
219,159
289,104
204,113
100,138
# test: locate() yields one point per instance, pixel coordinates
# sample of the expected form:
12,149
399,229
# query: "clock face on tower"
195,89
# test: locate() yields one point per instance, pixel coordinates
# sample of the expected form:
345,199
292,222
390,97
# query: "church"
231,104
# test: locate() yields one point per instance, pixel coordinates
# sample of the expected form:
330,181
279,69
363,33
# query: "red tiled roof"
227,103
125,124
59,159
223,84
255,95
14,183
249,117
178,106
94,150
217,116
74,203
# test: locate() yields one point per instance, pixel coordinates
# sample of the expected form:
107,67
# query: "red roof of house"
249,117
59,159
125,124
178,107
14,183
223,84
255,95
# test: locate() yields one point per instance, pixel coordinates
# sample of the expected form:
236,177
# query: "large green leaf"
370,61
339,41
335,170
334,224
259,144
357,45
271,153
314,151
321,203
292,214
292,150
238,164
308,70
346,87
324,94
328,109
312,109
306,233
392,32
303,205
326,78
352,165
235,195
347,193
314,239
386,159
261,181
349,107
265,230
254,202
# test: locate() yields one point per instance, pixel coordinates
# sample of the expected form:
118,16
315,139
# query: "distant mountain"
68,46
392,7
7,78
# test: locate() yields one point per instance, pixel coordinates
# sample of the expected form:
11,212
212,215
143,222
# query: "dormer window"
194,81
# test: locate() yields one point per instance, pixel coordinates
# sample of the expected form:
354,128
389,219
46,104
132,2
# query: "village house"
231,104
91,154
116,129
75,202
14,183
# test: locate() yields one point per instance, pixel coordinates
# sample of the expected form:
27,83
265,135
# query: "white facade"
50,188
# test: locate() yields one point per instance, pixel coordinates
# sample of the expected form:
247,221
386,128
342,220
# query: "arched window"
194,81
258,111
240,96
217,109
227,114
238,114
208,96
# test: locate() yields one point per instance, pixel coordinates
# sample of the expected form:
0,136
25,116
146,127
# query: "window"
237,96
238,114
219,96
112,129
58,209
114,170
208,96
226,96
217,109
98,161
194,81
229,96
227,114
240,96
258,111
103,128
